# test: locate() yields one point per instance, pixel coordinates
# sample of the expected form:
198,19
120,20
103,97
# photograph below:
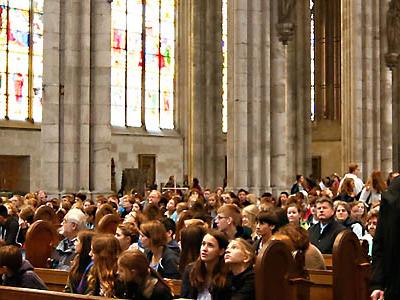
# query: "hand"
377,295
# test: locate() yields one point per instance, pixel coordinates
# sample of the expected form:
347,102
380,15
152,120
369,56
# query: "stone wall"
24,142
168,150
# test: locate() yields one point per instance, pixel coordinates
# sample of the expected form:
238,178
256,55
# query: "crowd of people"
207,238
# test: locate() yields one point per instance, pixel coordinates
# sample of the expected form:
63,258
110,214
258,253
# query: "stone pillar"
386,105
184,79
204,120
237,147
352,96
266,96
367,90
255,54
282,120
50,129
100,99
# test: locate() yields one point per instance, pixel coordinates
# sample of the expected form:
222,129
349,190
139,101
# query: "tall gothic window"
142,66
21,59
224,67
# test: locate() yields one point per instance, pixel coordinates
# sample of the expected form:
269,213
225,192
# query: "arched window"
142,63
224,67
21,59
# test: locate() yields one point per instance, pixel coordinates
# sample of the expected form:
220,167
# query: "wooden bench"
57,279
278,274
8,293
54,279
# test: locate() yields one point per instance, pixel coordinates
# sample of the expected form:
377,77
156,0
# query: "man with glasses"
74,221
229,221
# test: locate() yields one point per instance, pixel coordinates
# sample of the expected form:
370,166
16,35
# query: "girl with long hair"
191,238
103,273
240,257
347,191
127,235
162,259
207,277
81,264
375,186
139,281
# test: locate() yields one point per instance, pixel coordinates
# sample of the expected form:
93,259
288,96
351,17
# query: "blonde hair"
247,248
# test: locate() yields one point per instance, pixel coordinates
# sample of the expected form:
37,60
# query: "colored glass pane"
20,4
38,6
3,27
151,60
18,34
37,25
37,98
15,32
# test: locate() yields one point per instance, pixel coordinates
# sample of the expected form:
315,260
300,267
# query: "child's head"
133,266
10,259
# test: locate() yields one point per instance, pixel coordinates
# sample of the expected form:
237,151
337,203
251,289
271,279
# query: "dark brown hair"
155,231
198,275
191,238
11,257
136,260
82,258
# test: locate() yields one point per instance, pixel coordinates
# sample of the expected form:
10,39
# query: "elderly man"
74,221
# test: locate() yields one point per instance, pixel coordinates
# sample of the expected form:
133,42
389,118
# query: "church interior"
240,93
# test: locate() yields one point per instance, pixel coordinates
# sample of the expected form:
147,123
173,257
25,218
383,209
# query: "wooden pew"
57,279
328,261
7,293
278,275
41,238
54,279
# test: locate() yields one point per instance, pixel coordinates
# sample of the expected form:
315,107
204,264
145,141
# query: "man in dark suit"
385,281
323,234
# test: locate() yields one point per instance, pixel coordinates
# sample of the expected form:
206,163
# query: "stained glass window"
142,72
224,67
21,59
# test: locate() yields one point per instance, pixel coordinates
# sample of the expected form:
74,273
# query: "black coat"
243,285
134,292
324,242
190,292
168,267
386,246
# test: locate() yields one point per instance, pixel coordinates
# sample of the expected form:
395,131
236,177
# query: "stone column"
266,96
50,129
282,136
255,79
237,137
367,91
184,78
352,126
386,158
100,98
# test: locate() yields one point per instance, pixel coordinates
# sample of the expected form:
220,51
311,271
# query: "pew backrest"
54,279
41,238
31,294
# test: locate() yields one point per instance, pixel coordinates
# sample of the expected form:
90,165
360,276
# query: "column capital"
285,26
392,60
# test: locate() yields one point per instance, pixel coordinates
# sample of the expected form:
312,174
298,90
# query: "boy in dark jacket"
16,271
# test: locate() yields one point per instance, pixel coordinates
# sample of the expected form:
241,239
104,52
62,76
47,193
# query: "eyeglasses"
220,217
